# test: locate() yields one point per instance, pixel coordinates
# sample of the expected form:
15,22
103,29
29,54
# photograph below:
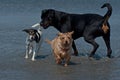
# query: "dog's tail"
109,12
105,27
48,41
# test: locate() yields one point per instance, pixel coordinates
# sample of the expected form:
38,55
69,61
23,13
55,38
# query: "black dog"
88,26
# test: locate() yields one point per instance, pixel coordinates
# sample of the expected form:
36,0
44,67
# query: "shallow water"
17,15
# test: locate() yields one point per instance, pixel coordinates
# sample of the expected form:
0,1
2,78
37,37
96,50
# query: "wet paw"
91,58
58,62
26,57
65,65
33,59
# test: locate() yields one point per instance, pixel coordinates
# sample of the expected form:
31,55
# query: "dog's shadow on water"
72,63
41,56
96,56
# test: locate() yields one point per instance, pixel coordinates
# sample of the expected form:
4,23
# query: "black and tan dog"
88,26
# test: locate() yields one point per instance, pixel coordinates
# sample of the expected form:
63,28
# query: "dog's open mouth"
44,25
66,45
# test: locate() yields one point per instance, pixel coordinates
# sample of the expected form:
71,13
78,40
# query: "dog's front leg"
27,51
30,50
67,60
33,57
34,52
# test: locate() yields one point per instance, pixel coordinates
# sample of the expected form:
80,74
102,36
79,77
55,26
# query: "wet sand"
13,65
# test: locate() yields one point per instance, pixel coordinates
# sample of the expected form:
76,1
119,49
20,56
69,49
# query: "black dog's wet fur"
88,26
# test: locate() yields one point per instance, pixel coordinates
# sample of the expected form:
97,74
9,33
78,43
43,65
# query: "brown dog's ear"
71,32
59,34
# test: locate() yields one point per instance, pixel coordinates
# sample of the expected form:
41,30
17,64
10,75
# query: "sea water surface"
16,15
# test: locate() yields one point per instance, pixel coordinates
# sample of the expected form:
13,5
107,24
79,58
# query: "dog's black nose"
66,42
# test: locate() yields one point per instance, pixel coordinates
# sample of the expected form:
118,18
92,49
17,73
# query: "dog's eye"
32,33
62,38
49,18
68,37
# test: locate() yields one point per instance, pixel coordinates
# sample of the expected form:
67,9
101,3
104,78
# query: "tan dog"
62,47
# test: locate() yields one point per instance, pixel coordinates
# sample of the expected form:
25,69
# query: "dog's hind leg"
74,48
107,42
95,45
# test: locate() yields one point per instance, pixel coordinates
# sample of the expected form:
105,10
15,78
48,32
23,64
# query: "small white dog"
33,41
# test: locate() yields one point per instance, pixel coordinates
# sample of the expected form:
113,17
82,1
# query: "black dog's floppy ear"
48,10
44,11
26,30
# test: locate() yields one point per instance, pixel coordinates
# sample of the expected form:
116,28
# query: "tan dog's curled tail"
48,41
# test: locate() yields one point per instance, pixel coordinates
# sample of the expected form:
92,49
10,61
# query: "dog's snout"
32,38
66,42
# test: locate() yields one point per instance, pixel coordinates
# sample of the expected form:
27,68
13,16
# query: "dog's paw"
65,65
91,58
33,59
26,57
58,61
